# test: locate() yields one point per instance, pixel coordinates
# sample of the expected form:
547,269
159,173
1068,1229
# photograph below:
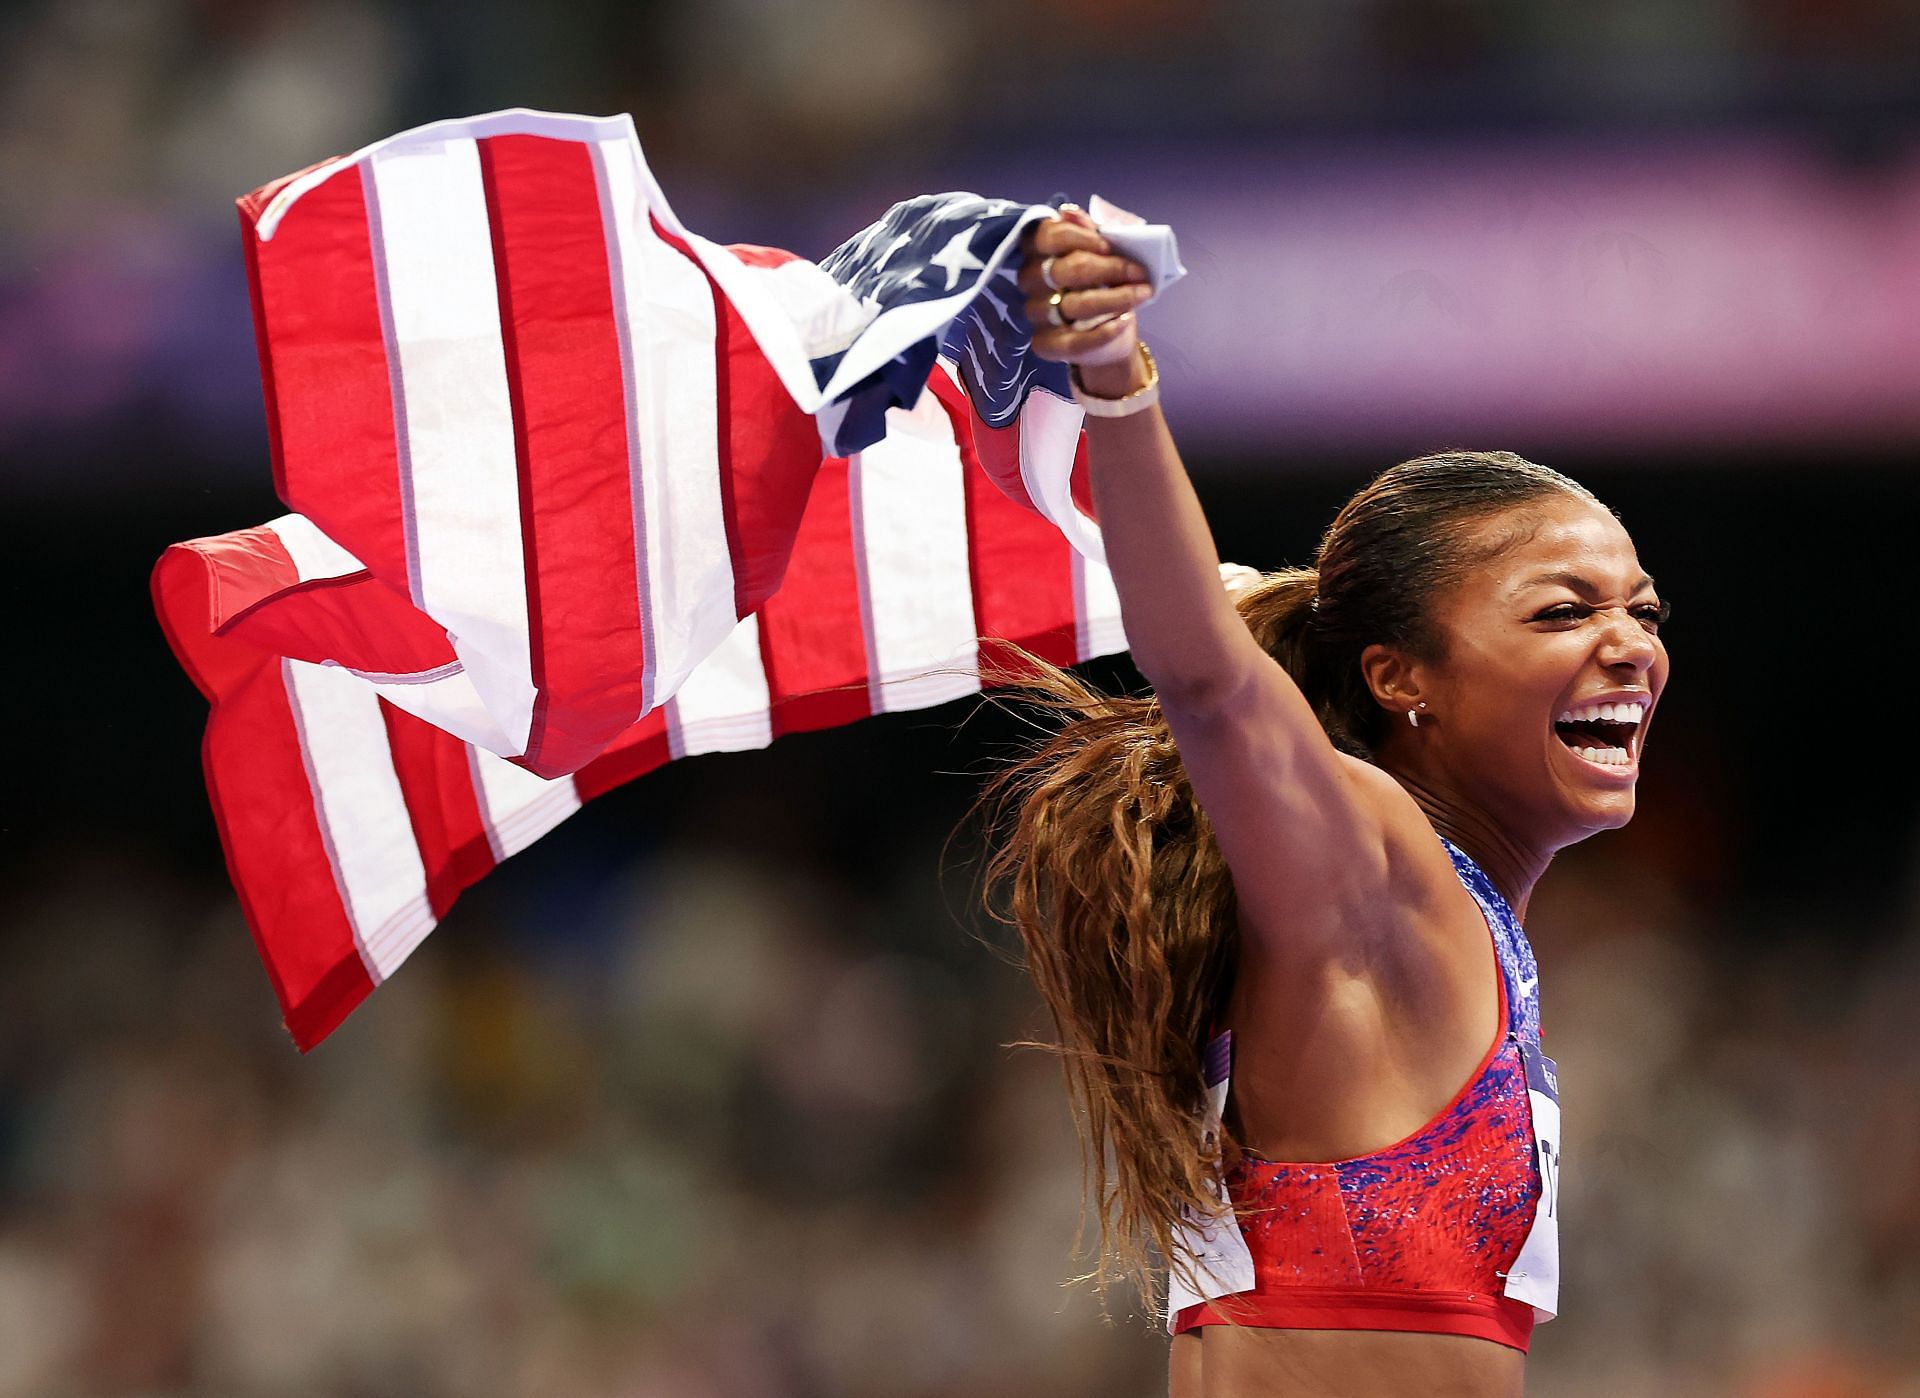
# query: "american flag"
576,492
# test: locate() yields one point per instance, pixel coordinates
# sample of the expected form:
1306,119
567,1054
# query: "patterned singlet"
1423,1235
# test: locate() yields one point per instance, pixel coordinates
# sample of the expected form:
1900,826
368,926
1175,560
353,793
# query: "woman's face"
1553,666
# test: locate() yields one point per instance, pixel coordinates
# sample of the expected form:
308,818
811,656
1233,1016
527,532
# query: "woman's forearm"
1185,635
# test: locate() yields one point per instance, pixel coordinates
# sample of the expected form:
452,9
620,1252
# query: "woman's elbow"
1196,686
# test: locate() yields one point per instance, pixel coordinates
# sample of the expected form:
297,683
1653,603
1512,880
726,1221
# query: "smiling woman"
1276,907
1554,635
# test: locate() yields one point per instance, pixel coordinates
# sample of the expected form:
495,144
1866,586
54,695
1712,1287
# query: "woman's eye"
1566,611
1652,614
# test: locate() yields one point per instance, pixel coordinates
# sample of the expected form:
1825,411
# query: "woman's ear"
1392,676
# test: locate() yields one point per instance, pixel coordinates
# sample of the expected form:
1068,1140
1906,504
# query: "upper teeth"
1627,712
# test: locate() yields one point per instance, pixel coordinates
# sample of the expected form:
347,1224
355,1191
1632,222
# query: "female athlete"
1305,859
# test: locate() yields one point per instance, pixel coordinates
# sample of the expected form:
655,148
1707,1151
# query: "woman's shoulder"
1400,1016
1405,921
1411,877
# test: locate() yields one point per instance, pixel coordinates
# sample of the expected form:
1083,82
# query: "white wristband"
1139,400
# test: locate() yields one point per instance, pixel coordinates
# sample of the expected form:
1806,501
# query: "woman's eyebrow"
1582,585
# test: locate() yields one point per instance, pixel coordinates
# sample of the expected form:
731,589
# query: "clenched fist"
1081,295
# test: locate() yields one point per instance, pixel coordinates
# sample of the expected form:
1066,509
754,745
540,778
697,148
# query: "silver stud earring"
1413,715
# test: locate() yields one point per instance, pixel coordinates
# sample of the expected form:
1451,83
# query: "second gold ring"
1055,316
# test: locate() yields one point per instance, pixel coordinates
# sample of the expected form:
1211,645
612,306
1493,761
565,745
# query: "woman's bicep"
1301,825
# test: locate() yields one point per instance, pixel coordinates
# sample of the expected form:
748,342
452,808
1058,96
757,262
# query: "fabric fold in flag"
574,492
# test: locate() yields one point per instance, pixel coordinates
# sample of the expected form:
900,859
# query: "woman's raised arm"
1302,825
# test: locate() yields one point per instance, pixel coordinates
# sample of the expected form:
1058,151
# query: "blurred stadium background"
706,1095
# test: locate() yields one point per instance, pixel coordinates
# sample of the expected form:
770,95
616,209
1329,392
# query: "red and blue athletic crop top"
1423,1234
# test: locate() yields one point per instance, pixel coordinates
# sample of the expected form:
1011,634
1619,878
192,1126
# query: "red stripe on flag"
277,857
323,362
202,586
811,638
245,587
996,450
634,753
263,346
354,620
188,615
755,255
569,411
1080,482
436,780
769,449
262,802
1021,566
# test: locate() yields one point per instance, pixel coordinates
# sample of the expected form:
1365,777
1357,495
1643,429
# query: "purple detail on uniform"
1461,1186
1510,941
1219,1058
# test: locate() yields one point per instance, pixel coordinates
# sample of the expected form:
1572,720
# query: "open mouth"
1606,735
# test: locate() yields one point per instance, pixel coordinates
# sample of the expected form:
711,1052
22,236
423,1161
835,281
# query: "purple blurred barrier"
1739,291
1733,293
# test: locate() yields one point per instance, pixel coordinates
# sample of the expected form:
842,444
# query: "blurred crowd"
206,98
729,1113
127,127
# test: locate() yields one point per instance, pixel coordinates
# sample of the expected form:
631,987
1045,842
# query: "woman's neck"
1513,866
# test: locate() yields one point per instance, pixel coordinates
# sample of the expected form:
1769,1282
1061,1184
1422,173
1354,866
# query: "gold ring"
1054,316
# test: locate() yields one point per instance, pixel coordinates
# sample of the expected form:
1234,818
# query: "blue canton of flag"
956,249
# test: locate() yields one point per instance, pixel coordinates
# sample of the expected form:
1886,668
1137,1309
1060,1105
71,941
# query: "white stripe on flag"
363,815
1049,438
314,555
444,697
517,807
667,344
448,702
1096,609
909,505
514,121
459,475
724,706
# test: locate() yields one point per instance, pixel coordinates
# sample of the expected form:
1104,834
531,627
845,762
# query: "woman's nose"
1627,642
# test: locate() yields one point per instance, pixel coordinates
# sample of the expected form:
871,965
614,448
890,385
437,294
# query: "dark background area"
1789,579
